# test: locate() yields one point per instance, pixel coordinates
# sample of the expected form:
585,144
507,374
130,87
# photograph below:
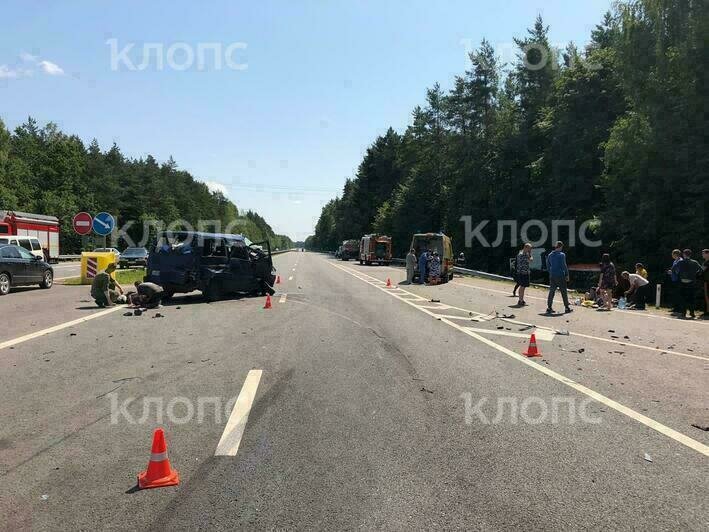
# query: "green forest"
615,133
46,171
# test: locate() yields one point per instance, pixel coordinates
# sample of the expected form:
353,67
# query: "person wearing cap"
104,288
639,287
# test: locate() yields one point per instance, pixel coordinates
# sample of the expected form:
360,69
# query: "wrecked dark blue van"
216,264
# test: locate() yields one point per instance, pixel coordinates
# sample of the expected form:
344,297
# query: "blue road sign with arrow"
103,224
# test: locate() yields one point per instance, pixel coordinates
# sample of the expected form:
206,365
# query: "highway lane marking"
55,328
628,344
233,431
637,416
590,337
649,315
540,335
283,298
634,312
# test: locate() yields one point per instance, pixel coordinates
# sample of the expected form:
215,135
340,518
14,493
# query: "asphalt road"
64,270
359,406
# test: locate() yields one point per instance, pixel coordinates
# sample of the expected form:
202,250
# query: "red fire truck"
45,228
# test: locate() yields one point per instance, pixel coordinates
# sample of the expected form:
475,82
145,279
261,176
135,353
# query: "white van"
30,243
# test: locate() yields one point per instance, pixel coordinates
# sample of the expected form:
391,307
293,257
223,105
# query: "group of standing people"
634,287
558,275
684,275
429,266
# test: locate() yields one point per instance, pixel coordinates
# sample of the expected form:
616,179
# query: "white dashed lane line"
55,328
231,437
637,416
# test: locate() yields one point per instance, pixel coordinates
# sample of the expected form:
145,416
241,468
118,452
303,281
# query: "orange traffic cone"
388,283
278,279
159,473
268,302
532,350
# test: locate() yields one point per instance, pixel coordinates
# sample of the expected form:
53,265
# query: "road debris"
647,458
423,389
700,427
158,315
127,313
137,312
435,300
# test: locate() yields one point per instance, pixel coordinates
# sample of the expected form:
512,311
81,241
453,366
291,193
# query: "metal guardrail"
64,258
476,273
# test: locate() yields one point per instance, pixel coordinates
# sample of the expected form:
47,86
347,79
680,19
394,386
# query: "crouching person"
105,290
639,287
148,295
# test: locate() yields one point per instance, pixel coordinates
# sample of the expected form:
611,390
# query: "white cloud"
51,68
28,58
214,186
13,73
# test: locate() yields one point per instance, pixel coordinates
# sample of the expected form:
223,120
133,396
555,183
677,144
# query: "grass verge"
124,277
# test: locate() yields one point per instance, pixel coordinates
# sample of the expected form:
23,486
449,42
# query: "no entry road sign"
82,223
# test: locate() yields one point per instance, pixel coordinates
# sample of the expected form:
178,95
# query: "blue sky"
321,80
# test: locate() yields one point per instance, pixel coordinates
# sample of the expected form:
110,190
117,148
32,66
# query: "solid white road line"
231,437
540,335
283,298
618,342
55,328
623,343
634,312
637,416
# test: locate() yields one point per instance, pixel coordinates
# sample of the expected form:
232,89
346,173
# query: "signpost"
103,224
82,223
